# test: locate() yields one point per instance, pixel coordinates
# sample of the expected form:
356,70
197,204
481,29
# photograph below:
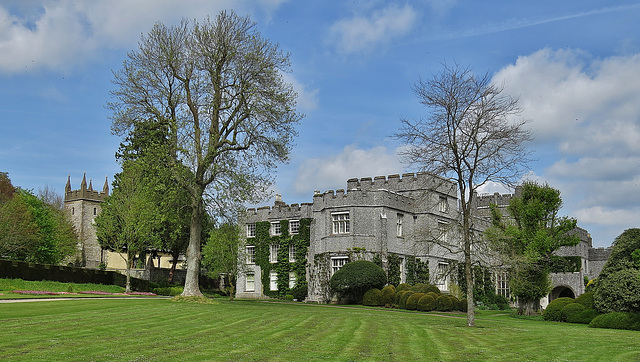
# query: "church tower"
83,205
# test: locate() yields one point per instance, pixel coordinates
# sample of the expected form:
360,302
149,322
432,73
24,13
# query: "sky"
574,65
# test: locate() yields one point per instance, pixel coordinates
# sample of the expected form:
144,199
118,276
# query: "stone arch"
561,291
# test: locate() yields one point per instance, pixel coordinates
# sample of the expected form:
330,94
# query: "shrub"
462,305
420,288
402,302
355,278
299,292
388,295
434,295
427,303
399,295
444,303
372,298
433,288
618,291
169,291
570,309
412,301
554,309
403,286
617,320
583,317
454,302
586,299
288,297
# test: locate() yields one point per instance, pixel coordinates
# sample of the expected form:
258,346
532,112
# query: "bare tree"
470,136
218,86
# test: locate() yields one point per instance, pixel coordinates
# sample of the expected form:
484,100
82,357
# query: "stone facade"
384,218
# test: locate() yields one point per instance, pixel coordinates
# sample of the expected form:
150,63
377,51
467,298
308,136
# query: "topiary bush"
455,302
420,288
355,278
444,303
583,317
432,288
388,296
402,286
586,299
570,309
299,292
412,301
617,320
427,303
554,309
402,302
372,298
462,305
168,291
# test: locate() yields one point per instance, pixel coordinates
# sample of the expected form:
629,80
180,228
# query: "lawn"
160,329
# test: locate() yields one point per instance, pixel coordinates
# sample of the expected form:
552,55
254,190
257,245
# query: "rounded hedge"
373,297
299,292
618,292
554,309
427,303
388,295
617,320
586,299
462,305
570,309
444,303
412,301
420,288
402,302
355,278
584,317
403,286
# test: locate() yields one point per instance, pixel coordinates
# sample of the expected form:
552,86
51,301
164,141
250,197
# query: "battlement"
501,200
408,182
601,254
85,192
280,212
359,197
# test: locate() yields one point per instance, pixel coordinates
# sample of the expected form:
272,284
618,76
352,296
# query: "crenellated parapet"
359,197
85,192
279,212
408,182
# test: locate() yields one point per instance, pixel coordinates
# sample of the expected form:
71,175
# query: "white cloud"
588,111
364,33
60,34
332,172
307,98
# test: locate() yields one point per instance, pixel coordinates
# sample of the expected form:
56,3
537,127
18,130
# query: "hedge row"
30,271
423,297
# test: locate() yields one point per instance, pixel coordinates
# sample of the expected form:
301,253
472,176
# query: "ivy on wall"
417,271
393,271
263,241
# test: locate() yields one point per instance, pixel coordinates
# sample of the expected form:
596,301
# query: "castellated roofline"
406,182
293,211
85,192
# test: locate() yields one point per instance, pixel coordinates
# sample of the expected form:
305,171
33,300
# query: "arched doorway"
561,291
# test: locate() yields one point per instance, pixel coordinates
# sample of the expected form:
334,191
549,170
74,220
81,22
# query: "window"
502,284
292,280
337,263
399,225
294,226
275,228
73,211
251,230
251,254
251,282
442,204
341,223
442,276
95,211
443,231
273,281
273,253
292,253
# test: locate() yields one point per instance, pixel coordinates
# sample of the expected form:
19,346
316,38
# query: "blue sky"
575,65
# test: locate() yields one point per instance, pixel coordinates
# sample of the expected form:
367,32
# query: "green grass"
160,329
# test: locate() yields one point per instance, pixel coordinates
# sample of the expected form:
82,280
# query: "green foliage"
355,278
553,312
393,272
372,297
403,286
617,320
462,305
583,317
169,291
529,238
417,271
32,230
586,299
299,292
484,292
388,295
420,288
571,309
619,281
220,253
565,264
412,301
427,303
444,303
401,298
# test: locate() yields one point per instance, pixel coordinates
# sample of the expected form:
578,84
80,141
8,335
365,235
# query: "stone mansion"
402,222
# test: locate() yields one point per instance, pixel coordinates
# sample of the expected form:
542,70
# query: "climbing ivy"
262,242
417,271
393,271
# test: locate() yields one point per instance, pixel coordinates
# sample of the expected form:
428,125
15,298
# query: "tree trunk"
127,288
192,282
174,264
468,270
